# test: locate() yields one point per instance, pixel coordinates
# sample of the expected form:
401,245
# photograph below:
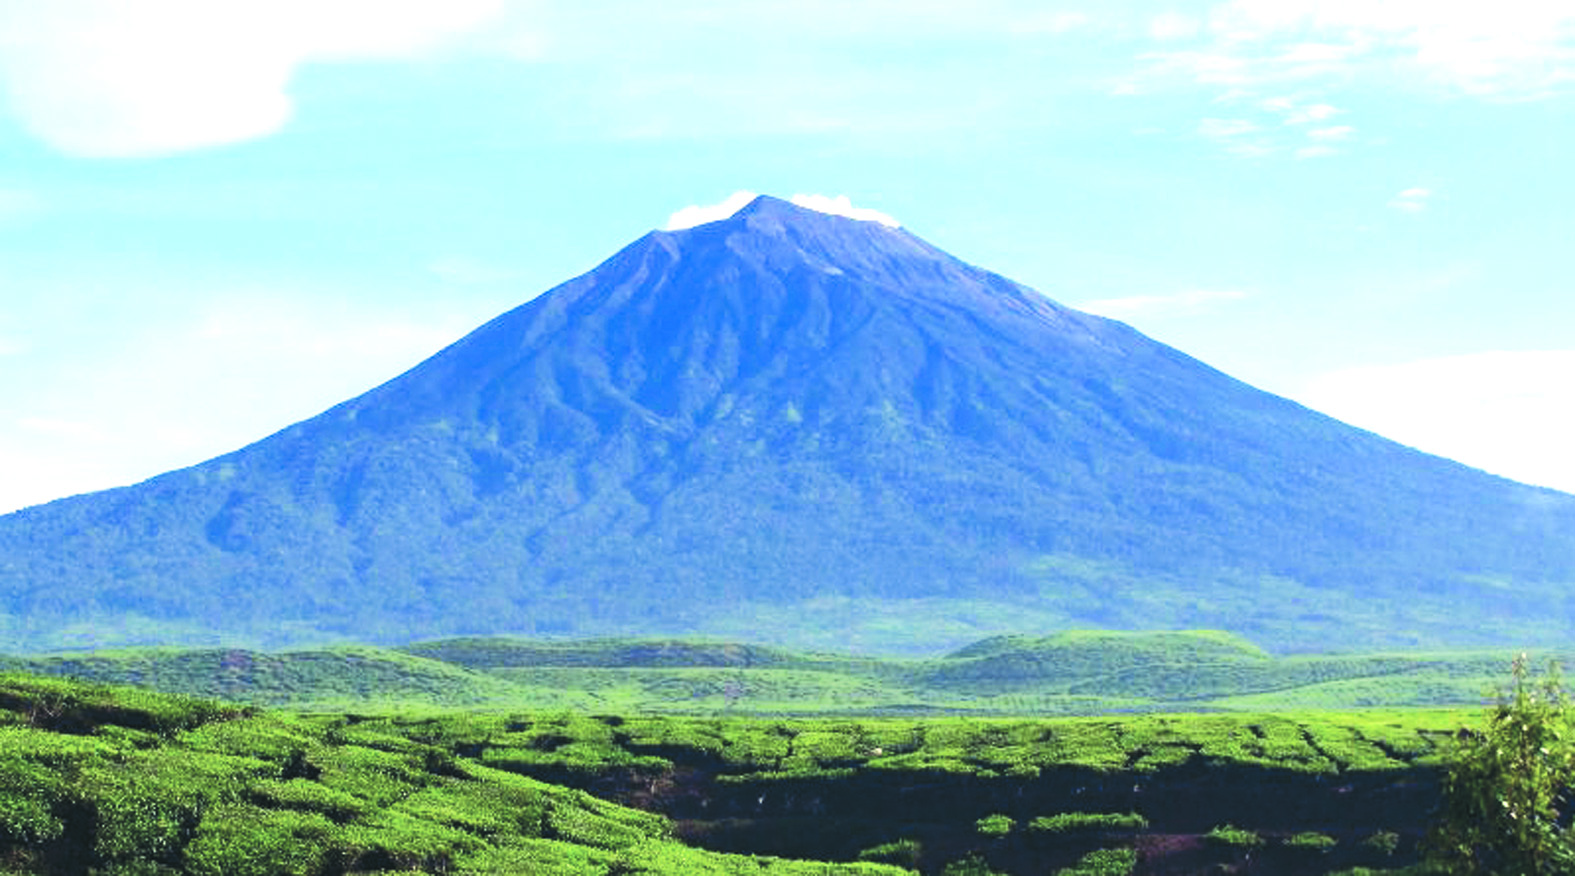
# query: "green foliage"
1074,822
408,793
306,795
1383,841
1103,862
1229,835
1508,788
245,840
1072,673
973,865
1311,841
994,826
72,707
902,853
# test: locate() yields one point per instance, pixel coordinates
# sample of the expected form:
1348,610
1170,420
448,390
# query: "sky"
219,217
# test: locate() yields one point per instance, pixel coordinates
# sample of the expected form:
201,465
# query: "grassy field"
1074,673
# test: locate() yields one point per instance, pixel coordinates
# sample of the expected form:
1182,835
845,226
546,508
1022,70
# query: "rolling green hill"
1072,673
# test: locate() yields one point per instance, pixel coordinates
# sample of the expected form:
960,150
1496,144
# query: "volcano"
795,427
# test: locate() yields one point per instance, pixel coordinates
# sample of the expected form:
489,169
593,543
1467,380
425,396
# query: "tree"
1508,788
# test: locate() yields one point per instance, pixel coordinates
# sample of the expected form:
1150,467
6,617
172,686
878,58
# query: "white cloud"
842,206
1159,305
1523,48
1412,200
117,78
1319,151
1508,412
698,214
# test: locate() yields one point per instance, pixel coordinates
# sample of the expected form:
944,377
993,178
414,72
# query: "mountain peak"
829,235
746,205
840,206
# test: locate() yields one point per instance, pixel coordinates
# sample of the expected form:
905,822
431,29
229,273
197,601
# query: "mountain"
789,426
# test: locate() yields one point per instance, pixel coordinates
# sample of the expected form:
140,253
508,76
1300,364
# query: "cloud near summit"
840,205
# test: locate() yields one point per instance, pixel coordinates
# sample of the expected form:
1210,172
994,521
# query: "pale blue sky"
217,218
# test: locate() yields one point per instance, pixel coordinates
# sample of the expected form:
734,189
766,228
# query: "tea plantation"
100,779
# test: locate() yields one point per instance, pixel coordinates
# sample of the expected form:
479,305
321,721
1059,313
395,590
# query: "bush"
1507,788
1312,841
1103,862
1228,835
1385,841
1071,822
973,865
241,840
994,825
903,853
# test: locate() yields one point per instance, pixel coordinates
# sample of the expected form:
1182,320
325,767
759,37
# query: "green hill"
339,677
1073,673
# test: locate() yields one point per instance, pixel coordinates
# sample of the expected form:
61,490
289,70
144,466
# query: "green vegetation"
119,780
1508,789
995,825
1074,673
1311,840
1230,835
903,853
1385,841
1071,822
126,780
973,865
1103,862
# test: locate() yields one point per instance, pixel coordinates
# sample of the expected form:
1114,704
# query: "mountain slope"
790,418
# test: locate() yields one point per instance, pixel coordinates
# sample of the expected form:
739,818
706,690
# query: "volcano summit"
789,426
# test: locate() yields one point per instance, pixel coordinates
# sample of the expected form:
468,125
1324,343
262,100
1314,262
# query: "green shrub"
1074,822
973,865
393,839
1228,835
244,840
307,796
1312,841
1383,841
903,853
1103,862
26,821
1507,791
994,825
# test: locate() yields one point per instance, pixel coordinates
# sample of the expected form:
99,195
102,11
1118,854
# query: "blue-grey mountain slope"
797,427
